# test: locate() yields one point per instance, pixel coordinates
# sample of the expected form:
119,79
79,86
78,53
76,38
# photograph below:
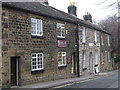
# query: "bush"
117,59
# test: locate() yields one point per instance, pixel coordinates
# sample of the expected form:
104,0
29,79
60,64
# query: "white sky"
98,12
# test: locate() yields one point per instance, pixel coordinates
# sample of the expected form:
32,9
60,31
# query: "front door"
74,64
91,63
14,71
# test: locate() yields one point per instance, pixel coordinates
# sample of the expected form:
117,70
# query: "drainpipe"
77,40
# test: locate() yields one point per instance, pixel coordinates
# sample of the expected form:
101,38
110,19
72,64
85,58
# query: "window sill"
37,71
96,65
61,38
60,67
39,37
84,69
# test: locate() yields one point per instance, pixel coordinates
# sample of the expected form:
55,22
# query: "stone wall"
0,46
105,48
17,41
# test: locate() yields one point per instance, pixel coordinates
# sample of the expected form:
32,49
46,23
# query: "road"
109,81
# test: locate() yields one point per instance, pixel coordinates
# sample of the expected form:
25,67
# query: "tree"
111,25
109,3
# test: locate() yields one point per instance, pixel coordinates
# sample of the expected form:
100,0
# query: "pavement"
65,81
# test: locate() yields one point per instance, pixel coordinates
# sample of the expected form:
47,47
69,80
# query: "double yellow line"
78,82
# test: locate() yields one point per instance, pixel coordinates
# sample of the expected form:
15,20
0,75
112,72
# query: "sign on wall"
62,43
69,60
91,44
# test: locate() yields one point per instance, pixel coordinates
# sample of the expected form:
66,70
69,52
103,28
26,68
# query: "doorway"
14,61
91,63
74,64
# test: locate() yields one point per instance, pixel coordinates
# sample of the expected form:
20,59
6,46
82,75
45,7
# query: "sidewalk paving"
64,81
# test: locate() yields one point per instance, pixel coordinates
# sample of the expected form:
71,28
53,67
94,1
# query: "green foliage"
117,59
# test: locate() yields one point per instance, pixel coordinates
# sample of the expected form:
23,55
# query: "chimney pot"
87,17
72,9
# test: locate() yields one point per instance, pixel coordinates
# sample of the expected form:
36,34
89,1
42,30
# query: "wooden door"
14,71
74,64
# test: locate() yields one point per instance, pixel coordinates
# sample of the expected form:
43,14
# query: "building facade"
42,44
36,48
106,61
89,51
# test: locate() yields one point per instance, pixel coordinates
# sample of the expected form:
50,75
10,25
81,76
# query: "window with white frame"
60,30
84,60
109,56
108,40
102,40
36,27
95,36
84,35
103,57
37,61
96,58
61,58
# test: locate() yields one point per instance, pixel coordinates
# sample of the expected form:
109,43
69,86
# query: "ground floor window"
103,58
61,58
96,58
37,61
84,59
108,56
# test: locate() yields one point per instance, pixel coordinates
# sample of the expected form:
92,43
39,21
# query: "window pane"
95,36
60,30
64,59
61,58
36,26
83,35
37,61
59,62
33,26
33,55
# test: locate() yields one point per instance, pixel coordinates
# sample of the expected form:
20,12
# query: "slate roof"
48,11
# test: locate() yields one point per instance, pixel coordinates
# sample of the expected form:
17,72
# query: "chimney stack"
88,17
72,9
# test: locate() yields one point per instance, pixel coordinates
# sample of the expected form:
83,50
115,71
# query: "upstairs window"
61,58
108,40
95,36
36,27
84,35
60,30
37,61
102,40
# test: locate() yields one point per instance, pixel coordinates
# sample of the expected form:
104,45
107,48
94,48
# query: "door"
74,64
91,63
14,71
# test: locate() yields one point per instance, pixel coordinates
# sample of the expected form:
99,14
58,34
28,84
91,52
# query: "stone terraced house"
106,62
40,43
